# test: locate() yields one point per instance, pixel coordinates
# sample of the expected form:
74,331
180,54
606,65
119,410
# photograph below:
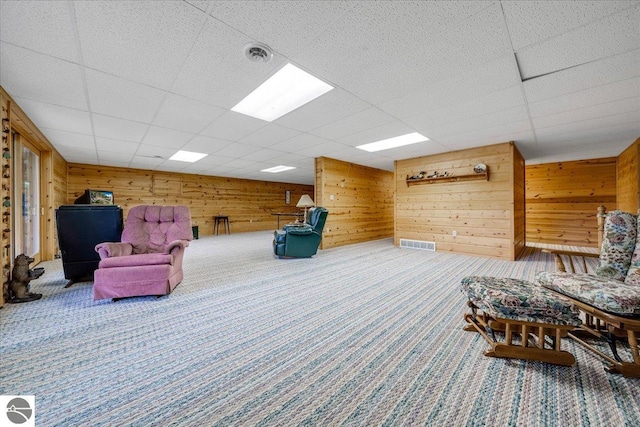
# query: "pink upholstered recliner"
148,260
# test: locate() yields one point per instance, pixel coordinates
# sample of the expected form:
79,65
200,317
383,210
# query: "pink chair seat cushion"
136,260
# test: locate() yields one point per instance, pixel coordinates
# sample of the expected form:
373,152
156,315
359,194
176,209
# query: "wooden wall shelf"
441,179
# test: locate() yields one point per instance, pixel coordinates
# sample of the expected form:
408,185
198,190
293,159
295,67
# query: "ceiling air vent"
258,52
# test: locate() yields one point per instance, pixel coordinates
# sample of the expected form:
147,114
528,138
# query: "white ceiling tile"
145,162
241,163
172,166
416,150
188,115
565,133
112,157
356,41
154,152
232,126
378,133
620,67
627,105
564,153
298,142
78,155
320,150
480,123
592,96
203,5
459,87
573,129
306,21
269,135
262,155
492,135
31,75
117,97
204,144
56,117
55,32
492,102
354,123
328,108
214,160
582,45
292,159
216,71
530,22
114,128
163,137
236,150
116,146
144,41
69,139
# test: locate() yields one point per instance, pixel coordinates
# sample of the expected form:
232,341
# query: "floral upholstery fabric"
612,296
517,299
633,275
619,242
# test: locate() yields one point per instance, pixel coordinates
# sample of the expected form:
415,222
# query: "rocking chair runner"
609,299
516,307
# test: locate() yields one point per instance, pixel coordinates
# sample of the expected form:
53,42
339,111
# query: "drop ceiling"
129,83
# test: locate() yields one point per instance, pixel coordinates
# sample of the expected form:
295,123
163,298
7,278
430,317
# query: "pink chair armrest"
180,244
113,249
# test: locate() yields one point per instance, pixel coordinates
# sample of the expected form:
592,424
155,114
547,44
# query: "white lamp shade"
305,202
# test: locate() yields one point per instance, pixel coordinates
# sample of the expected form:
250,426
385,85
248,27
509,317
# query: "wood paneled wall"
627,183
518,213
359,199
53,184
480,212
247,203
562,200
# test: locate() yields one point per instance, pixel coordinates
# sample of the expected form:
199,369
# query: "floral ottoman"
538,317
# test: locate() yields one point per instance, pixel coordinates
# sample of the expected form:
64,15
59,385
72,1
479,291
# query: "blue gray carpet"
362,335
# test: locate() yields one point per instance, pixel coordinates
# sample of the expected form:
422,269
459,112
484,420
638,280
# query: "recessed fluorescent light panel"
283,92
187,156
397,141
277,169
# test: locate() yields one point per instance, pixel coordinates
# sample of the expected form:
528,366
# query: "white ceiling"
129,83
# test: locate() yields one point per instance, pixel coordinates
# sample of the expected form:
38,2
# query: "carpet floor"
361,335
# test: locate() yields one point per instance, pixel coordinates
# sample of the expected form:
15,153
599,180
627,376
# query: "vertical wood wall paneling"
247,203
479,211
562,200
362,205
519,204
627,182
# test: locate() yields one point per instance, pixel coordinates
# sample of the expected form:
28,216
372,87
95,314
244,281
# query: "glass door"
27,197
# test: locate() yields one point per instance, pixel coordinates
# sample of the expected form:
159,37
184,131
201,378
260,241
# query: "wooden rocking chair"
598,321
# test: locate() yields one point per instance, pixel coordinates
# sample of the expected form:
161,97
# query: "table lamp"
305,202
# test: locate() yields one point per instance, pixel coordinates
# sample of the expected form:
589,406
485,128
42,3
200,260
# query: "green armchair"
301,241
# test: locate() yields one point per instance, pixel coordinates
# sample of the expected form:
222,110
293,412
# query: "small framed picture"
287,197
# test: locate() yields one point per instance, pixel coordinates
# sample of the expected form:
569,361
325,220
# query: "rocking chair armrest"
570,254
113,249
176,244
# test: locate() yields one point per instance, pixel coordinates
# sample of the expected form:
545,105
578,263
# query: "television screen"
98,197
95,197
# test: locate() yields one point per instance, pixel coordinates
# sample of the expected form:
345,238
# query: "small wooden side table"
224,220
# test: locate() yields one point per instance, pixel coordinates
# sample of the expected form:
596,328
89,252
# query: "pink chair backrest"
150,228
